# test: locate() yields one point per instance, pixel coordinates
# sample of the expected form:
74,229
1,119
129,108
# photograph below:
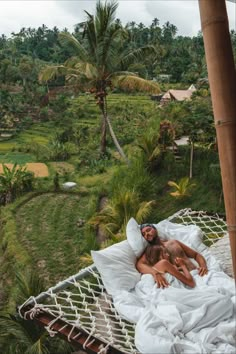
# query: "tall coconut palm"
99,62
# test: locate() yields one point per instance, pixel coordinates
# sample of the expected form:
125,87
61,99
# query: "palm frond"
114,217
105,16
175,194
183,187
138,54
50,72
155,153
173,184
90,32
109,44
29,284
144,210
69,40
72,62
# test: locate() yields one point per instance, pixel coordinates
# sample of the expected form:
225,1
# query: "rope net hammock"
80,310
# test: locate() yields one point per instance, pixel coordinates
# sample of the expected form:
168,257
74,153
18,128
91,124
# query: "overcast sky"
15,14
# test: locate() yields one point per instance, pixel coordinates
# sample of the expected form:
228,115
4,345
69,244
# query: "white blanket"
179,319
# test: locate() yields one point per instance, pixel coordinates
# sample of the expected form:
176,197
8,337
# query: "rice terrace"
112,133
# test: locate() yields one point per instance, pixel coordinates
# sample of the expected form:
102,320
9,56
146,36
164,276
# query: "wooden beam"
222,79
78,337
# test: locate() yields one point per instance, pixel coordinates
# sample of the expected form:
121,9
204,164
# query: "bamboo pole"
222,79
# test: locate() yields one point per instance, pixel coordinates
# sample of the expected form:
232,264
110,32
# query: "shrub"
182,188
124,205
134,178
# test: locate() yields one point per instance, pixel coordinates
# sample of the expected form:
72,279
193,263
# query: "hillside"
47,231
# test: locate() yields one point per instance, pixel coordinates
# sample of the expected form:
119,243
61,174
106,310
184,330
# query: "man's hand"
161,281
202,271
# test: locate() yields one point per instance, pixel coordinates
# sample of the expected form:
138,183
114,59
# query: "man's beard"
155,241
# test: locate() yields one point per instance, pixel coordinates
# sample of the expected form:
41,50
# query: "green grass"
47,227
202,198
14,157
39,133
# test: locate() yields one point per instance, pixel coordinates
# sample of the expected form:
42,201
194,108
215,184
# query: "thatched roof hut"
177,95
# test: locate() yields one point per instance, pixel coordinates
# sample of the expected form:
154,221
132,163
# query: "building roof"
166,96
180,95
192,88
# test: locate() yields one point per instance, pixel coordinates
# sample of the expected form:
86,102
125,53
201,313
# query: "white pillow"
191,235
134,236
116,264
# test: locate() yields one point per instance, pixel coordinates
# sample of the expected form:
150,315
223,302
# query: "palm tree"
13,181
20,336
99,62
151,149
182,188
124,205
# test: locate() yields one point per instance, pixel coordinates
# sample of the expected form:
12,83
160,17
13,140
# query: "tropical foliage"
99,63
124,205
151,149
20,336
13,182
182,188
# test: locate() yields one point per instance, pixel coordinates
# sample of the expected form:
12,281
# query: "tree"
26,67
151,149
20,336
124,205
14,182
198,124
169,31
99,62
182,188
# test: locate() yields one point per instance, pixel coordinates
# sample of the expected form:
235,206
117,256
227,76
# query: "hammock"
80,310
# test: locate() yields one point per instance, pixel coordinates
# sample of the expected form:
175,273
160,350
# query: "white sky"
15,14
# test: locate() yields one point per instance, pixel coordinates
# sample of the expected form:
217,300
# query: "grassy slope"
38,132
43,233
48,227
202,198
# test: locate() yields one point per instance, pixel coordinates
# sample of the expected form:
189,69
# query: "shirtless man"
175,249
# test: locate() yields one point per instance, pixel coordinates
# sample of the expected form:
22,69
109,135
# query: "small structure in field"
177,95
69,185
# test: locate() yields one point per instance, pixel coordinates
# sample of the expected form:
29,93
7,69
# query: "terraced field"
38,133
49,227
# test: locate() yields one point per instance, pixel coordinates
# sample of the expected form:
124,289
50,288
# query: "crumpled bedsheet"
179,319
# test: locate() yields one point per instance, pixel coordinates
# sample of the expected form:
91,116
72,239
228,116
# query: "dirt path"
39,169
101,237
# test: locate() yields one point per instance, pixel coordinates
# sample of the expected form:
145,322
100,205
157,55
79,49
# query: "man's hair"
145,225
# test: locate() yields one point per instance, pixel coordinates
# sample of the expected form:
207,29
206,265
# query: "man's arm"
144,268
202,270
